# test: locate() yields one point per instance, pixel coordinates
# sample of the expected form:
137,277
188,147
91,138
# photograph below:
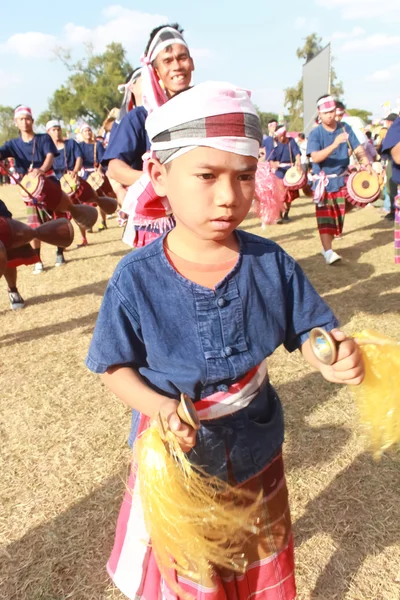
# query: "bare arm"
47,164
122,172
78,165
127,384
361,156
321,155
395,152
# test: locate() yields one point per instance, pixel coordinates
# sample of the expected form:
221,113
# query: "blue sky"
252,44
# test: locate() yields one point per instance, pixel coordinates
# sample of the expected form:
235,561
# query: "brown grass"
63,437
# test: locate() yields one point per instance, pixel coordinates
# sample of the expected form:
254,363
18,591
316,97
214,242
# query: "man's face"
55,134
24,123
87,135
328,118
339,116
174,66
272,127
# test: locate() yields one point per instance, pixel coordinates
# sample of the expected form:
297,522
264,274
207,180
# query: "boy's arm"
349,366
129,386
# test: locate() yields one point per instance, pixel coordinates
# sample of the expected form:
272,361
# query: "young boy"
198,311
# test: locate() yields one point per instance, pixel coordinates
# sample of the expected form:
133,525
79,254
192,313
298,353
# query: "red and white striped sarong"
270,571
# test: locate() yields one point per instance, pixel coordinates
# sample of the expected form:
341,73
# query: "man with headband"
198,311
329,145
286,154
34,153
167,70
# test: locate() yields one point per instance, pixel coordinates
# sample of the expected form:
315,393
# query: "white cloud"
131,28
8,79
32,44
342,35
368,9
384,74
371,43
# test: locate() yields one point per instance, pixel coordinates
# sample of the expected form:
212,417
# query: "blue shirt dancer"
229,300
328,146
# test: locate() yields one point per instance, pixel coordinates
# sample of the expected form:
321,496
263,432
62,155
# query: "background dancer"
286,154
34,153
328,146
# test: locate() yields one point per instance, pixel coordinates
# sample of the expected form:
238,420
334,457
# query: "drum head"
96,180
69,185
293,177
32,184
365,186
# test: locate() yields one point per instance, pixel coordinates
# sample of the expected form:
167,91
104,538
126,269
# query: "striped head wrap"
340,112
128,101
52,123
213,114
85,126
326,104
280,130
153,94
22,111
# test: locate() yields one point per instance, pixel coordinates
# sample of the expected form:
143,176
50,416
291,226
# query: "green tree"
365,115
90,91
8,129
294,95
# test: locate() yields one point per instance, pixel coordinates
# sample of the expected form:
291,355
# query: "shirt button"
221,302
223,387
227,351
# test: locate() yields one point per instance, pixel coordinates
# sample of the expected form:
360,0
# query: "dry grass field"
63,454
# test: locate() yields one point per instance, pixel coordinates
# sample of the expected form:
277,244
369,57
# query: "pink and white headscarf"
212,114
153,94
326,104
280,130
22,111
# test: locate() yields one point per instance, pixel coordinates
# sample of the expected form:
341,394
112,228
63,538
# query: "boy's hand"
349,366
185,433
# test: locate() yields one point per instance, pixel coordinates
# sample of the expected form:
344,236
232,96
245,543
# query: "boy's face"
174,67
24,123
210,191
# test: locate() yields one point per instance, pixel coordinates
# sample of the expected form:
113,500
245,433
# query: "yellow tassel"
194,520
378,397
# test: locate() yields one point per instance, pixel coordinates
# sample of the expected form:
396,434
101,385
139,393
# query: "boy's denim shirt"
182,337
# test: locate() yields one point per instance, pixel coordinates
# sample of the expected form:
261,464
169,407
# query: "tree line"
90,90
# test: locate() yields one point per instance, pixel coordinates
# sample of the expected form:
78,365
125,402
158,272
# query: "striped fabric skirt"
268,576
397,228
330,216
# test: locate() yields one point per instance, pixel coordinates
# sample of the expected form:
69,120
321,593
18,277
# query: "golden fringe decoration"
194,520
378,397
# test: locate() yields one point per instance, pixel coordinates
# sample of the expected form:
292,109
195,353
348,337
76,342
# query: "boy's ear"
158,176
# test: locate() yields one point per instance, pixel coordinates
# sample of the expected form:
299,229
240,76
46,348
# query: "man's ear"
158,176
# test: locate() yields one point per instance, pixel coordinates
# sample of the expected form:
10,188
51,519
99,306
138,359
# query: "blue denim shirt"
182,337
